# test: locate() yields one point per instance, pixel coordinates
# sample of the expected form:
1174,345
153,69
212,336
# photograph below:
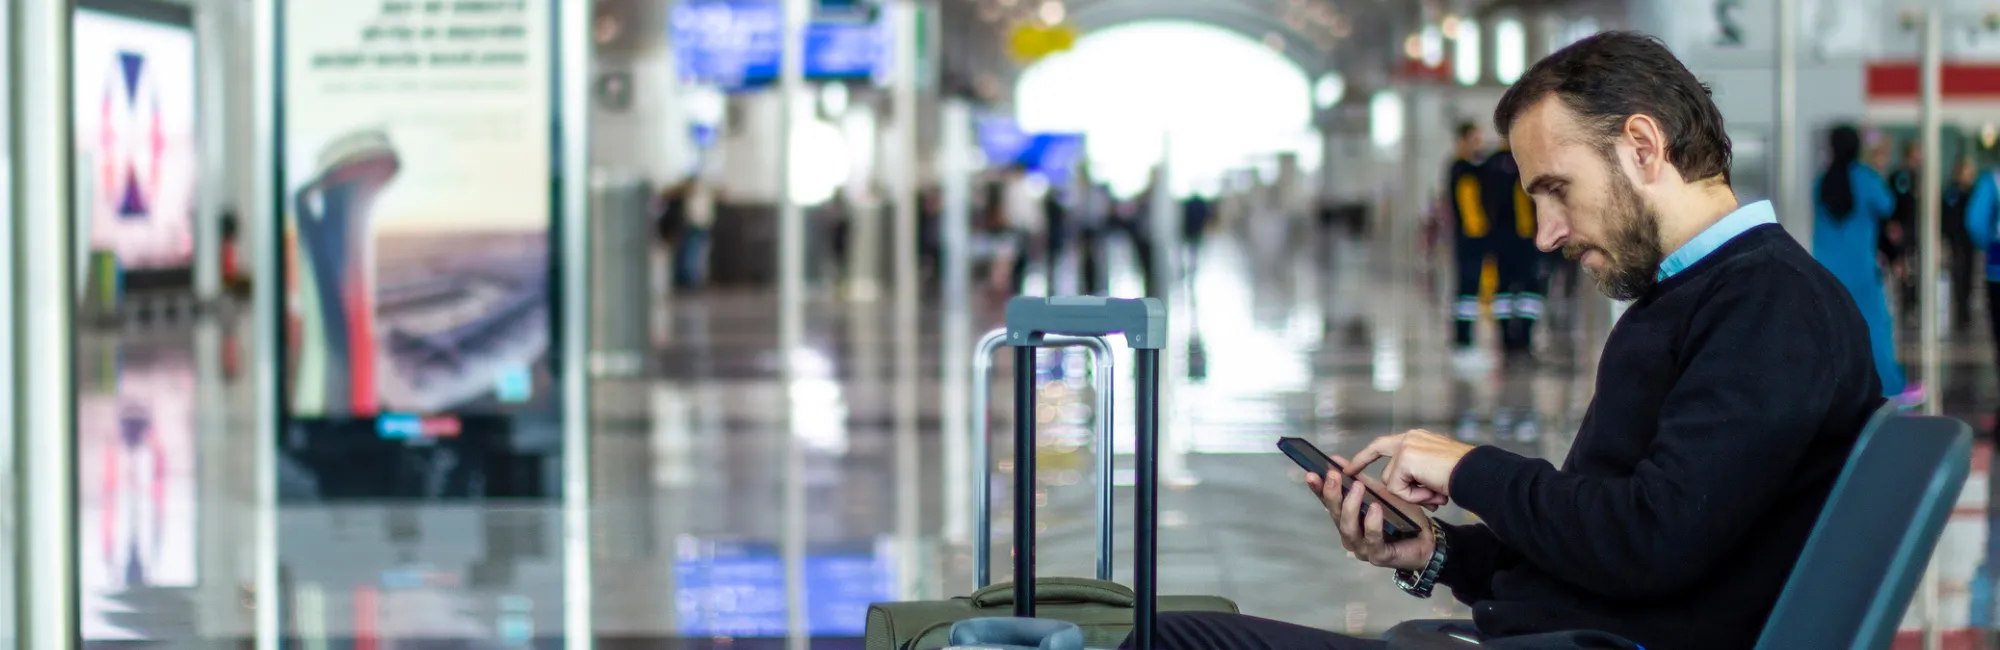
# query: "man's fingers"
1350,515
1330,492
1371,527
1399,484
1383,447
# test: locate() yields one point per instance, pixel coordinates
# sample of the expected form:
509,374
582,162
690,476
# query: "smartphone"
1396,526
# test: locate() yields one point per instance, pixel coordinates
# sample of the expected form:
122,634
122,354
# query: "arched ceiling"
1354,36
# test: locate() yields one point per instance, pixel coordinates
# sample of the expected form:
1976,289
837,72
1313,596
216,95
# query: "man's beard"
1632,259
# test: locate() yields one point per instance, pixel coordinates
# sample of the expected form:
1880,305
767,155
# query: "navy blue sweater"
1728,399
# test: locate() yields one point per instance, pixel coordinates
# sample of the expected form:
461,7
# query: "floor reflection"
454,541
136,505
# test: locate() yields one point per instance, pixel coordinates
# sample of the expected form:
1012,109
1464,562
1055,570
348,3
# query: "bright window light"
1218,96
1510,50
833,98
1385,119
819,158
1329,90
1465,53
1430,46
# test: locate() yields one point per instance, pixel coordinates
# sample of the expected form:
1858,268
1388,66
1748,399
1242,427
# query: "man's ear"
1649,146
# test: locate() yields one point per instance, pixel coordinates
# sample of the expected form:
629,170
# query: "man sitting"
1728,397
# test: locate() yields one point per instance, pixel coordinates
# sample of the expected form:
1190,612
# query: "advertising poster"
417,146
134,130
136,502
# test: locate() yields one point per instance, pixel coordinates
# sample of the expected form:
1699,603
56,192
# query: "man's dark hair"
1611,76
1466,128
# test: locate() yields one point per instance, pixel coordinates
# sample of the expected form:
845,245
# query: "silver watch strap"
1420,584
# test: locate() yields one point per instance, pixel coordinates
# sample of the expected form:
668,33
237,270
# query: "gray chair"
1860,567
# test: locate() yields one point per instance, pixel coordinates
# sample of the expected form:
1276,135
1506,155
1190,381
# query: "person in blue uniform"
1517,303
1471,238
1851,200
1982,211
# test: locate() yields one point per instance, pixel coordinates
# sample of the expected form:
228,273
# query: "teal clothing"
1716,234
1847,248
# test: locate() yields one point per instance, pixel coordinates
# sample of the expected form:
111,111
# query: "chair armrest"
1438,634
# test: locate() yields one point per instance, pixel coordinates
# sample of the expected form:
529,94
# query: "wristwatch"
1420,583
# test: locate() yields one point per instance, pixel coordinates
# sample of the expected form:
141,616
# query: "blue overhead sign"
1054,155
1001,139
736,44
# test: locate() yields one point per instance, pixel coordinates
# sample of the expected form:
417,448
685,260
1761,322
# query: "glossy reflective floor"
1329,340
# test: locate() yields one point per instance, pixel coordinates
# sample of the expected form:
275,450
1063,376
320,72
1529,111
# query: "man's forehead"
1545,120
1543,132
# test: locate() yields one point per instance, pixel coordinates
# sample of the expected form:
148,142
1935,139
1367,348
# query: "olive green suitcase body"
1107,611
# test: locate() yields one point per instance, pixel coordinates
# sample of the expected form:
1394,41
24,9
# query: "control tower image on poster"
335,288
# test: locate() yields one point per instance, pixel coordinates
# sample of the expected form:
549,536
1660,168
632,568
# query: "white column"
752,164
865,199
10,532
955,139
791,318
573,92
1928,199
213,23
1791,203
43,318
908,465
243,187
649,137
267,310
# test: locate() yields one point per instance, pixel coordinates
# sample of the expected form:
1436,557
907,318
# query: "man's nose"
1550,233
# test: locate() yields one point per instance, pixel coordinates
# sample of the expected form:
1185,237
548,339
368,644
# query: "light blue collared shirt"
1737,223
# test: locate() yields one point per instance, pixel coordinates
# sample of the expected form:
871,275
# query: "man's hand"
1362,535
1420,465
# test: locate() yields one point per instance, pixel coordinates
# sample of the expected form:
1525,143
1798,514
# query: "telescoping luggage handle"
1143,322
982,448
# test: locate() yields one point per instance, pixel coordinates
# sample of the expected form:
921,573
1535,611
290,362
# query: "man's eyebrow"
1540,183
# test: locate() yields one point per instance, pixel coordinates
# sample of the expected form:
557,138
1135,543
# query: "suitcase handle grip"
1143,321
1059,590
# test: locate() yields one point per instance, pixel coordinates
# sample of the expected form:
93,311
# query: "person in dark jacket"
1517,304
1897,242
1960,253
1472,240
1729,397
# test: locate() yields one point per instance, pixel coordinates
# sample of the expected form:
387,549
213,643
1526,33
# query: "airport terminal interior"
705,348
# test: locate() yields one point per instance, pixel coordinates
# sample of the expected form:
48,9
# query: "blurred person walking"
1982,221
1962,255
1472,243
1850,202
1898,239
1517,302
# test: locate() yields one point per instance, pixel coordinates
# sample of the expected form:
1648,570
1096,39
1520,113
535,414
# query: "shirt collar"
1736,223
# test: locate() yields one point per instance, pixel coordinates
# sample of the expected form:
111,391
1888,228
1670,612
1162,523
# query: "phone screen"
1395,525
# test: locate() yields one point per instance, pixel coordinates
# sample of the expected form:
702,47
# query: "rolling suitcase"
1104,610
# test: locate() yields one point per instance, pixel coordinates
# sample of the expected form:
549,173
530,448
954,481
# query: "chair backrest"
1860,568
